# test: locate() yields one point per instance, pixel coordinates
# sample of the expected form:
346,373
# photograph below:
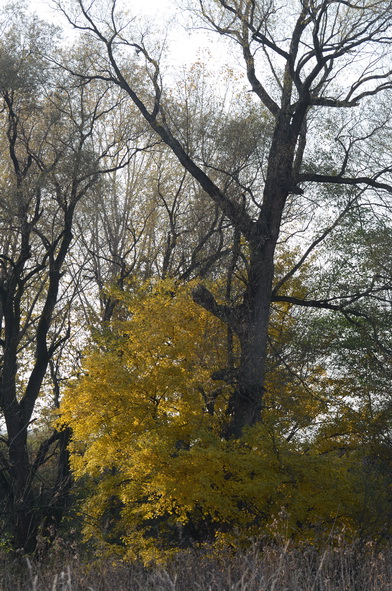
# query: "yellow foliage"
147,424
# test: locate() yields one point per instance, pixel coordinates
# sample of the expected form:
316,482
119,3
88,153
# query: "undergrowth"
268,568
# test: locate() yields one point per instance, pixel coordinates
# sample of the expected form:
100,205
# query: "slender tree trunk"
27,514
23,502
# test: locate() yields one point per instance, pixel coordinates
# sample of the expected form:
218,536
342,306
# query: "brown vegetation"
272,568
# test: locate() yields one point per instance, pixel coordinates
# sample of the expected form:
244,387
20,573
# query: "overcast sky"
186,47
150,7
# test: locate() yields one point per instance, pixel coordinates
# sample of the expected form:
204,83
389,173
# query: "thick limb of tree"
301,66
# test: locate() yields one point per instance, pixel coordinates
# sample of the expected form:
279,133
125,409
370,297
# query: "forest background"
195,278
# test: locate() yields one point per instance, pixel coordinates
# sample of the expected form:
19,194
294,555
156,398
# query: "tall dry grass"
272,568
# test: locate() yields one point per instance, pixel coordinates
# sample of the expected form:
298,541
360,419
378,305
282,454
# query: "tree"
51,160
330,56
147,444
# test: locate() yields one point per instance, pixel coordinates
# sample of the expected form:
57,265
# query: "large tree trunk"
251,326
250,320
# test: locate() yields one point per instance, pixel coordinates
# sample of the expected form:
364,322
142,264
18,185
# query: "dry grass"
271,569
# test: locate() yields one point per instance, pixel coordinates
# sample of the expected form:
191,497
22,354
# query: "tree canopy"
198,259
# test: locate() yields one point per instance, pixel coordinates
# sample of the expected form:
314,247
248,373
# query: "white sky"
185,47
149,7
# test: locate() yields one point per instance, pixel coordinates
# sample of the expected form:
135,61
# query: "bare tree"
301,60
53,156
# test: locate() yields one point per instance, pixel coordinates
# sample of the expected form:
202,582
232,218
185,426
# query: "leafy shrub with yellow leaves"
148,424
